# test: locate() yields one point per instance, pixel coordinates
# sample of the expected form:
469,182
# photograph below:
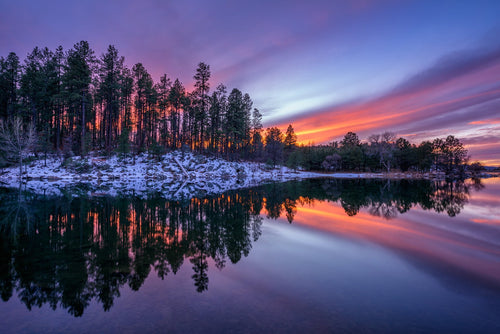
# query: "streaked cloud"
459,95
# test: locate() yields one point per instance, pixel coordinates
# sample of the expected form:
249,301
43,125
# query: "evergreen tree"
350,140
350,151
200,104
246,115
425,156
217,111
177,99
151,114
123,148
237,124
404,154
145,111
290,142
233,125
9,80
38,85
76,91
257,142
126,90
274,146
109,89
163,89
58,97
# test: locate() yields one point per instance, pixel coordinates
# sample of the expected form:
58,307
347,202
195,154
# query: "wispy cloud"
455,95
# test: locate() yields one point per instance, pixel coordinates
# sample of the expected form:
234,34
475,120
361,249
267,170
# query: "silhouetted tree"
109,91
177,99
350,151
200,104
451,156
290,141
76,93
163,89
274,146
9,81
257,141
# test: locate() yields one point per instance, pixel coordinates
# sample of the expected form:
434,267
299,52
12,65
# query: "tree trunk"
20,166
58,128
82,153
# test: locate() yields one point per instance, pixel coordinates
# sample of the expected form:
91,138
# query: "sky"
421,69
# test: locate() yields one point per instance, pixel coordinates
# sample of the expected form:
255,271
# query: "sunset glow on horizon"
420,69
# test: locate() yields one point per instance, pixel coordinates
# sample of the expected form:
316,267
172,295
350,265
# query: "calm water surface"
300,257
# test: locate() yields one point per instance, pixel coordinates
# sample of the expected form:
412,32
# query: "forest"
73,102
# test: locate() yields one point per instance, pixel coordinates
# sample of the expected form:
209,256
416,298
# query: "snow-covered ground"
176,175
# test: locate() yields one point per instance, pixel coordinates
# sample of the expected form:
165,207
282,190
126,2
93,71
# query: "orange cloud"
486,122
447,104
372,116
486,221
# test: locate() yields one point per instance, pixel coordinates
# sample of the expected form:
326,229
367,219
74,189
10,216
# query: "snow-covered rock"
142,175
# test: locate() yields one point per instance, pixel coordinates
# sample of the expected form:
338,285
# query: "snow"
142,175
139,176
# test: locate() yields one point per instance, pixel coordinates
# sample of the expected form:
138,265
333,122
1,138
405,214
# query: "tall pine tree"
200,104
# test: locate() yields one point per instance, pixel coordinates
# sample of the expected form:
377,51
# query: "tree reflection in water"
69,251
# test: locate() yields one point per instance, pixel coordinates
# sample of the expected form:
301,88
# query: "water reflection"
67,251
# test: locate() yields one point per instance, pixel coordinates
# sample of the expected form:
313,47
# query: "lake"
312,256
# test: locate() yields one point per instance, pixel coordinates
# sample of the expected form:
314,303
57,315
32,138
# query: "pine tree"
233,126
38,85
350,151
144,99
200,103
76,92
58,97
257,143
217,111
110,71
177,99
290,142
9,80
274,146
163,89
126,90
246,115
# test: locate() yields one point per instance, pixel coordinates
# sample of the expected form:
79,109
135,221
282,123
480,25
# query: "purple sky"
422,69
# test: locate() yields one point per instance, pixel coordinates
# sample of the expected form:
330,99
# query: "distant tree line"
75,102
384,152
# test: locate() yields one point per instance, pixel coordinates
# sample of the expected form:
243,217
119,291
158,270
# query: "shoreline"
175,175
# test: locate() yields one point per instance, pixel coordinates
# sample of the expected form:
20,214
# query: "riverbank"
175,175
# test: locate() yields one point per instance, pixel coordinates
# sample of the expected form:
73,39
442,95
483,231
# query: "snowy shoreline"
175,175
